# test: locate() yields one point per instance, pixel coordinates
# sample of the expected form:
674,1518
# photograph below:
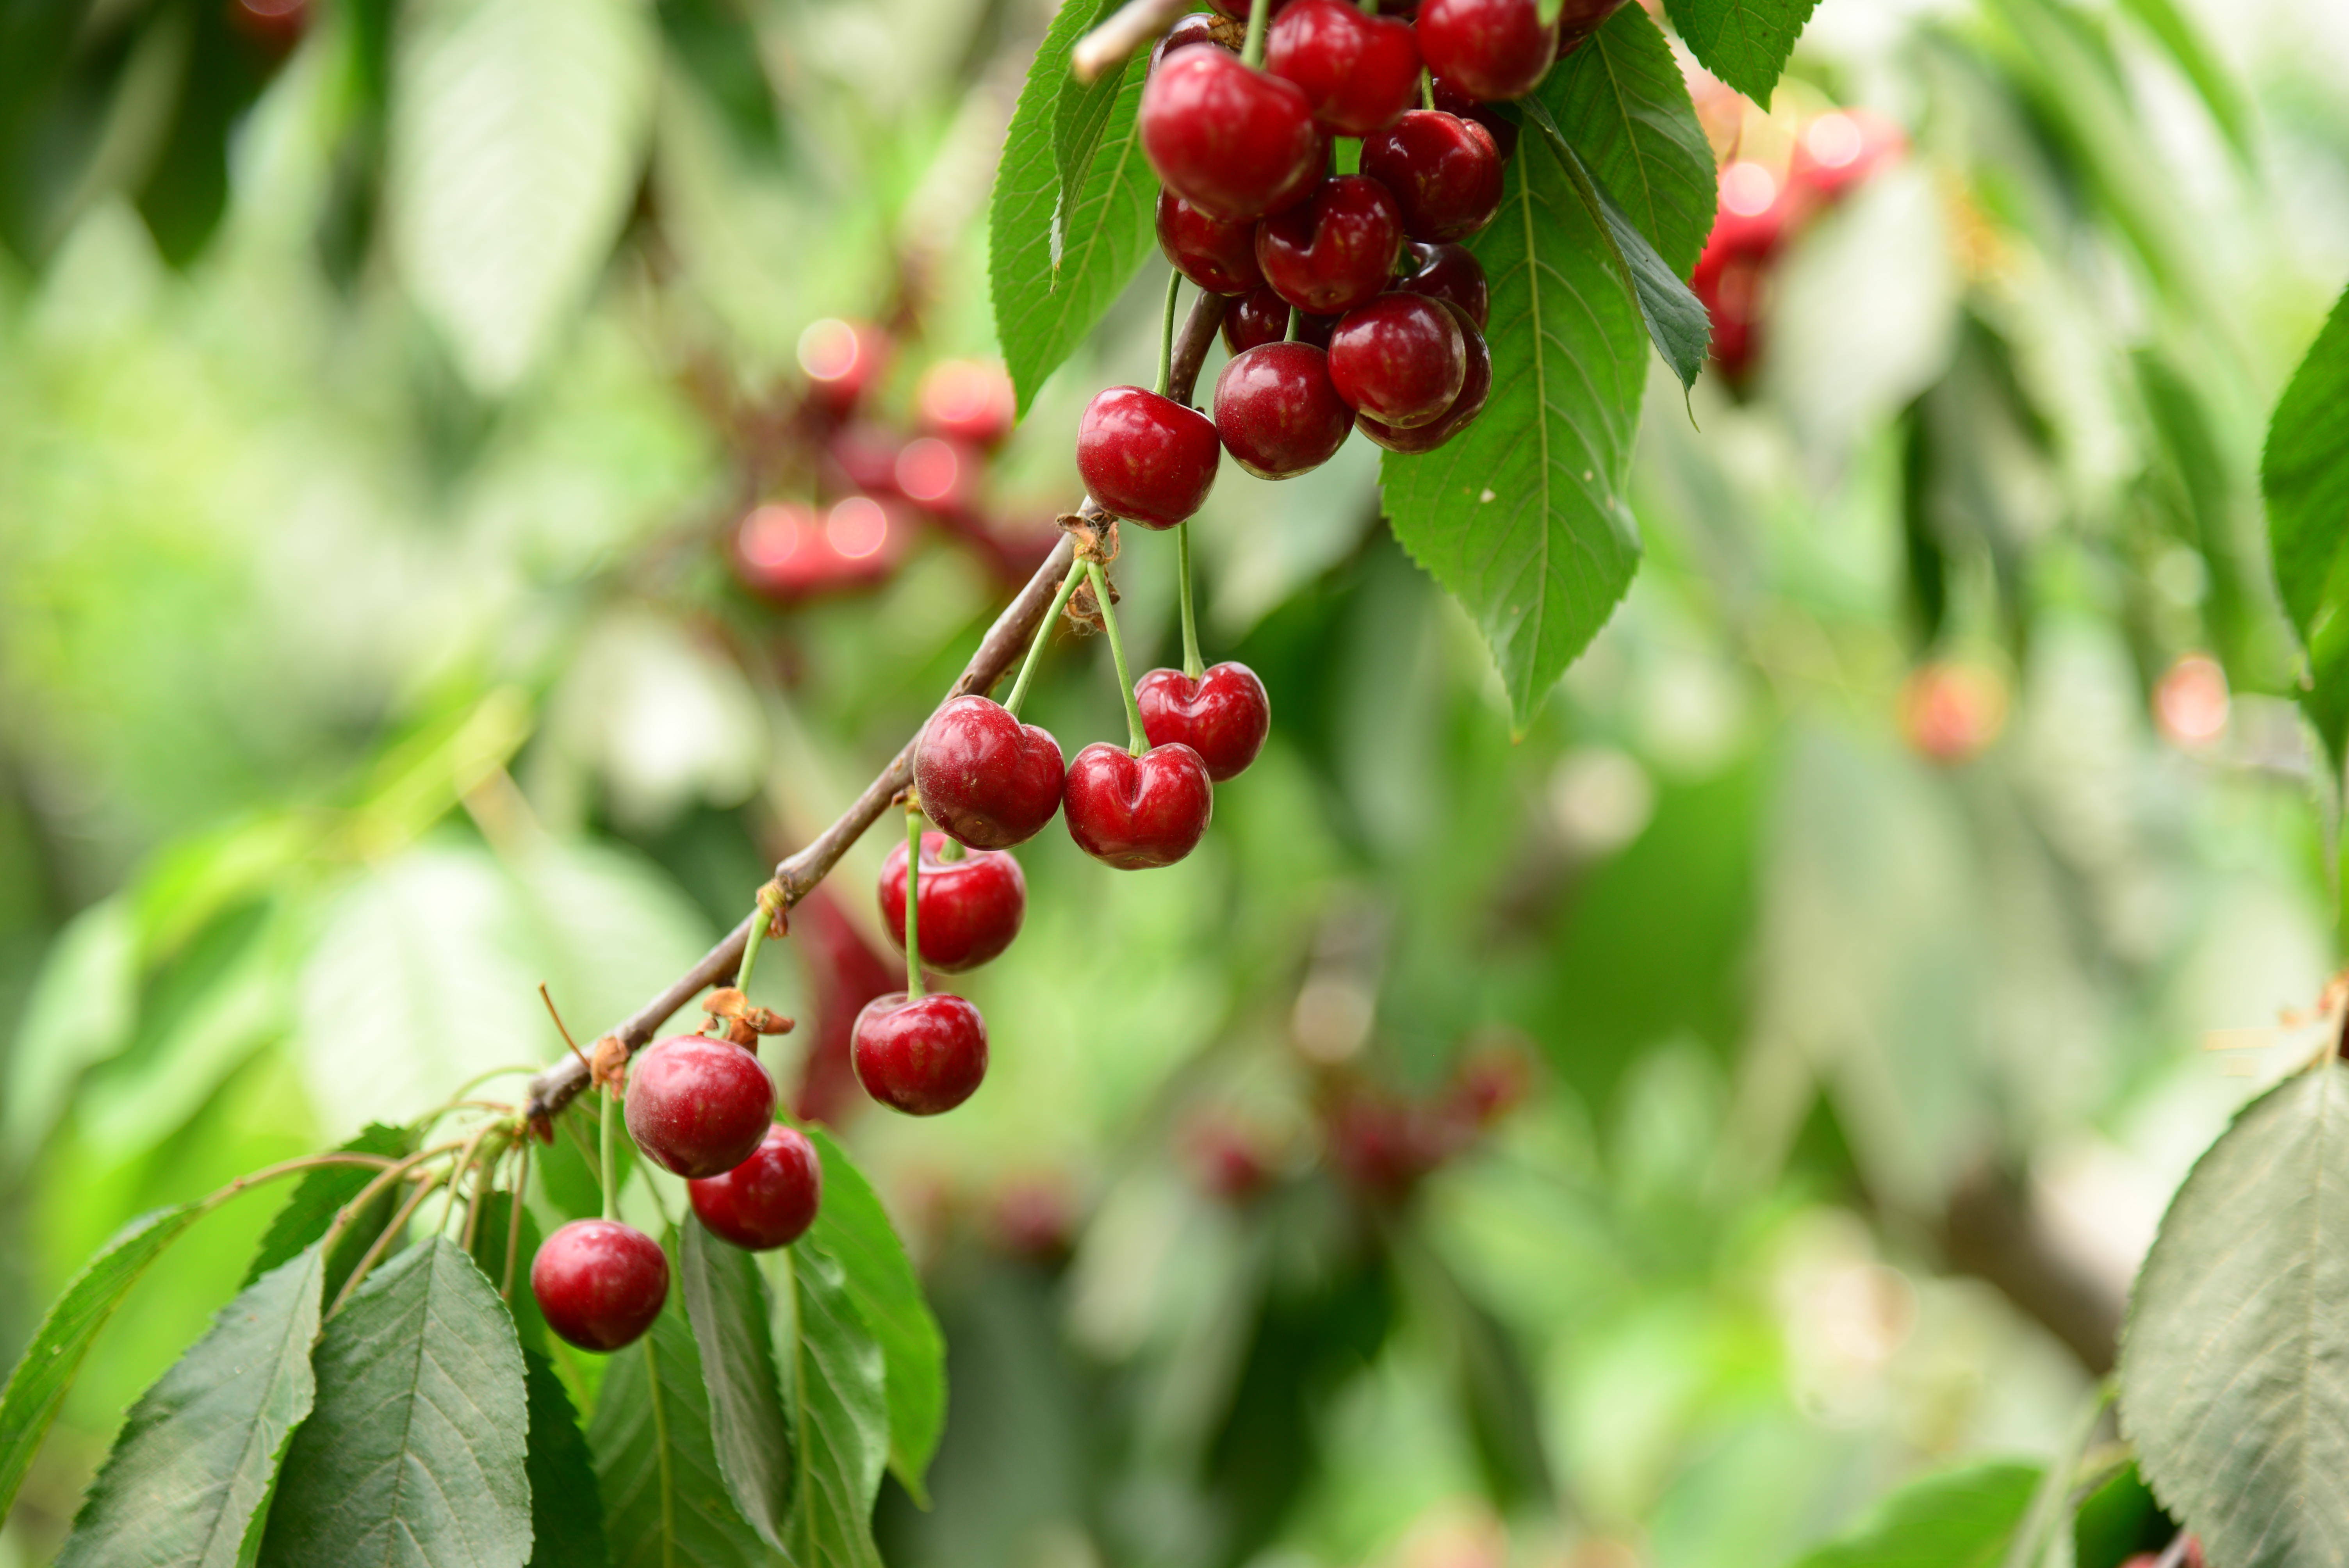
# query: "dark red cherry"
1219,255
1473,390
600,1282
1233,141
1577,19
1262,316
1401,359
1444,172
1488,48
1335,249
767,1202
967,400
1136,813
843,361
1198,27
1357,72
1224,715
987,779
1276,412
1451,273
697,1106
1145,458
1503,130
1238,10
971,908
922,1055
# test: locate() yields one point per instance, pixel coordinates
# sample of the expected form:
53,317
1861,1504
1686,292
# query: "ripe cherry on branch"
1453,274
1145,458
1444,173
1356,72
768,1200
920,1055
1335,249
1224,715
600,1282
1217,253
1261,317
1139,812
1277,411
697,1107
1401,360
1488,48
987,779
971,908
1475,387
1234,141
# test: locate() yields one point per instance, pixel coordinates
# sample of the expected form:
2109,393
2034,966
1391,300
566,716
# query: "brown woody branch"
799,873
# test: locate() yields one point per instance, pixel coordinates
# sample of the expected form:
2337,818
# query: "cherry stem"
1252,52
606,1114
1043,634
1296,324
1193,664
1166,334
1137,741
761,917
513,1217
913,902
1427,89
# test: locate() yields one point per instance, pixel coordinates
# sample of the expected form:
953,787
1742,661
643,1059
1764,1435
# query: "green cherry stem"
766,917
1426,89
1252,52
913,902
607,1115
1166,333
1137,742
1043,634
1193,664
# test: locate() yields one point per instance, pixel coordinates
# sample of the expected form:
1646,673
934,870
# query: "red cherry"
1383,1146
1224,715
1444,172
767,1202
1839,149
984,777
1276,412
1335,249
1453,274
1136,813
923,1055
600,1282
1233,141
786,553
1228,1158
1198,27
842,359
697,1106
971,908
1238,10
967,400
1262,317
1357,72
1401,359
1145,458
1488,48
1473,390
1503,130
1577,19
1216,255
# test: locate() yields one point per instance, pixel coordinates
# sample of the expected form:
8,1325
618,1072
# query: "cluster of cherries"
1355,306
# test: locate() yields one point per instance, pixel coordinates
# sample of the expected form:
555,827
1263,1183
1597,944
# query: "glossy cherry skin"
699,1106
1235,142
1488,48
1262,316
1137,812
971,908
921,1056
1444,173
1334,250
1473,390
1145,458
1217,254
1224,715
1401,359
1357,72
984,779
1198,27
1451,273
1503,130
767,1202
1276,412
599,1282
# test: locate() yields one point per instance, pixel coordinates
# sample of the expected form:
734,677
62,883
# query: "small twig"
558,1024
513,1219
374,1255
1112,44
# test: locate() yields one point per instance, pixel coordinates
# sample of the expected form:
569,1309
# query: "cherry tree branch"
799,873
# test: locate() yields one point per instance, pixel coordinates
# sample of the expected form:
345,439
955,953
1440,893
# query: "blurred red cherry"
1950,711
967,400
843,361
1840,148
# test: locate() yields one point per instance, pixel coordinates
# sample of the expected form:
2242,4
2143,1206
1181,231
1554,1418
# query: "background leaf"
2304,474
748,1431
81,1012
311,1210
1621,101
566,1510
1743,42
833,1372
1961,1520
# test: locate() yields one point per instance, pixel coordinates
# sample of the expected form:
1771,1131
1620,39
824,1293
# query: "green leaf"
518,130
1056,261
567,1512
1962,1518
311,1210
195,1461
2191,53
1080,115
1743,42
748,1432
490,1256
38,1385
2234,1372
81,1012
852,1228
1522,517
834,1377
2304,475
664,1502
1620,101
414,1454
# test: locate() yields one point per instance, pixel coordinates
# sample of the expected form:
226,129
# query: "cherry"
1401,359
1488,48
987,779
783,552
1452,100
600,1282
1234,141
1217,254
1453,274
1383,1146
1276,412
971,908
843,360
1238,10
1335,249
967,401
920,1055
1357,72
1473,390
1262,316
1224,715
1444,172
1145,458
1228,1158
1137,812
699,1106
1577,19
1198,27
767,1202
